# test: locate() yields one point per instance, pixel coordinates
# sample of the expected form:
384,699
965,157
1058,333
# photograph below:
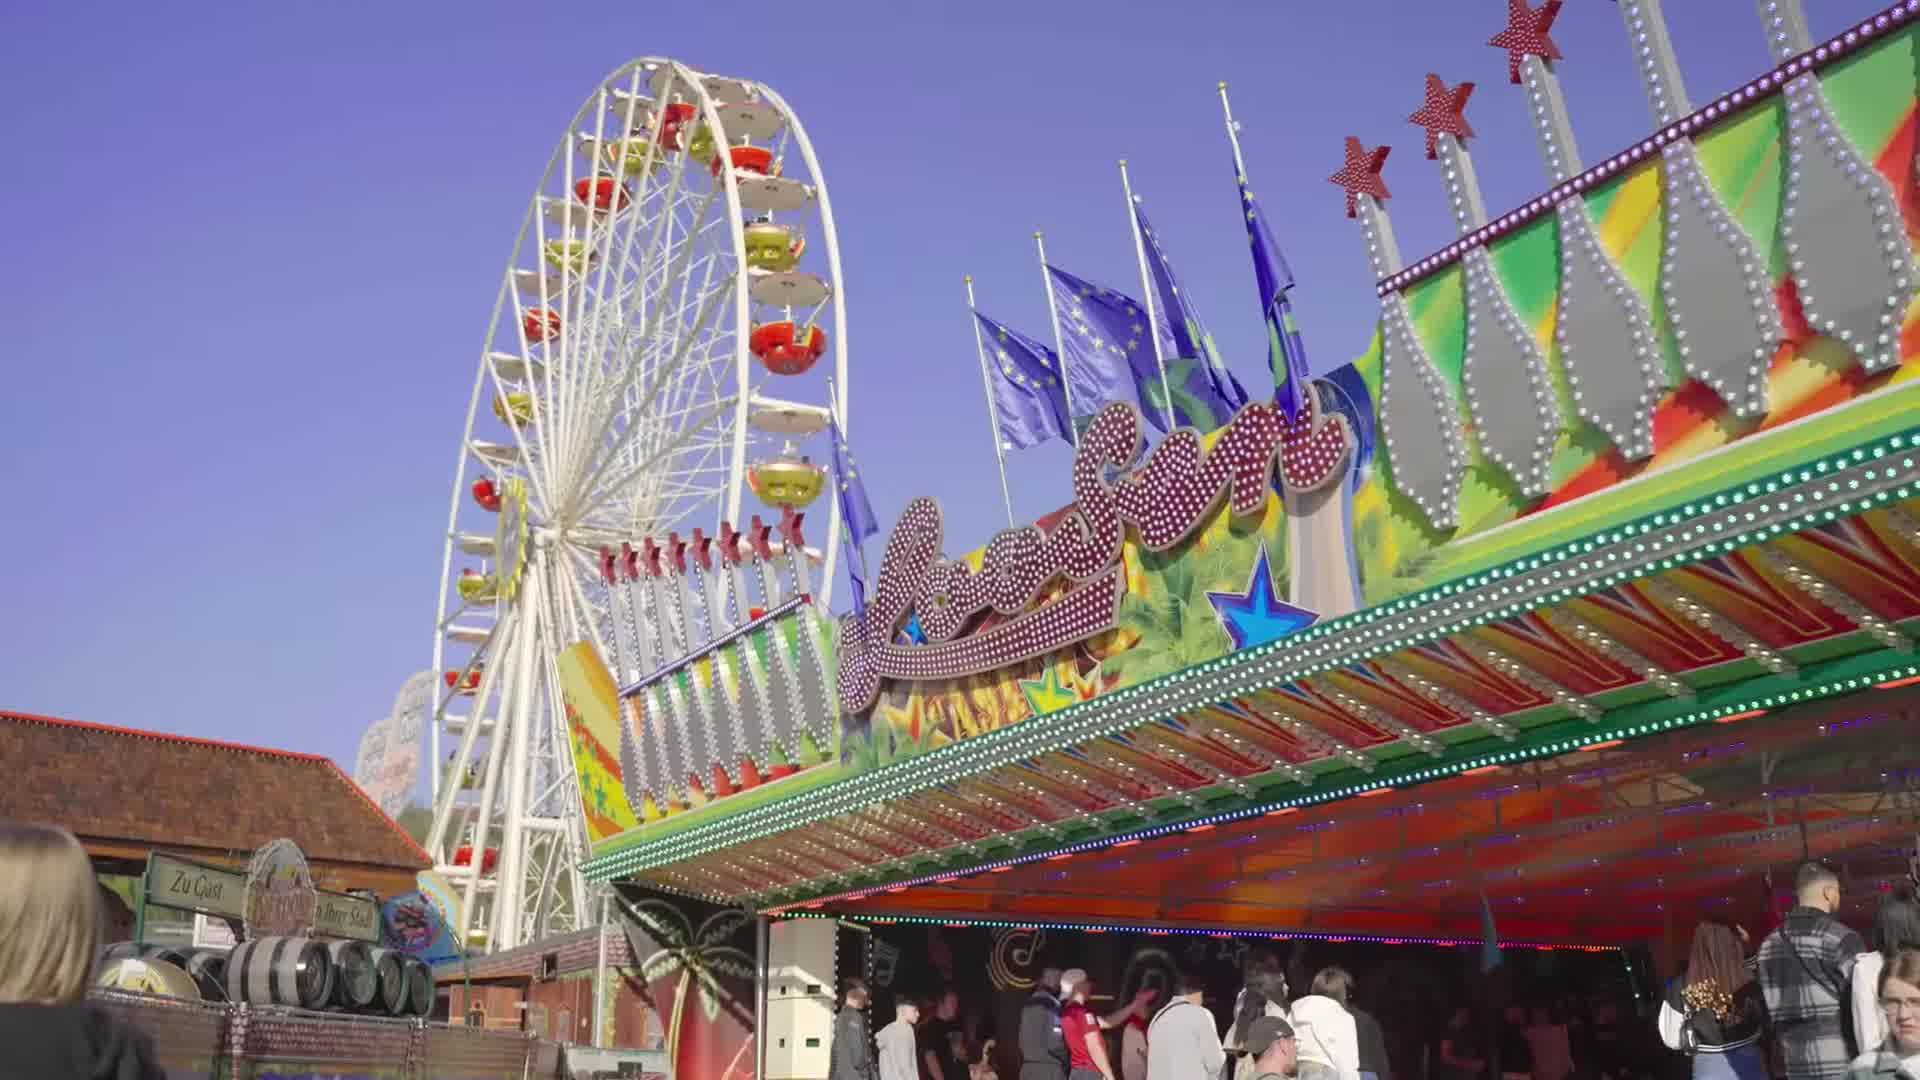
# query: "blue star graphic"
1256,616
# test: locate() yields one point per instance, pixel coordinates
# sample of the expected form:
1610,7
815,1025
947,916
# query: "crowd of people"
1812,1002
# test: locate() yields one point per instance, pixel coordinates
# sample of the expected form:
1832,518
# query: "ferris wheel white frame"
537,888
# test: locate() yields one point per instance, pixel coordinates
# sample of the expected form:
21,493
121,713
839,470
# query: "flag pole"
1233,131
993,413
1146,292
1059,342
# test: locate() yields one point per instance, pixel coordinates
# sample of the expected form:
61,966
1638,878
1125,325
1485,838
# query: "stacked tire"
419,997
391,967
356,983
294,972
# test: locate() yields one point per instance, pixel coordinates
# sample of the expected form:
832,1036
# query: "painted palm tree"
711,971
1166,612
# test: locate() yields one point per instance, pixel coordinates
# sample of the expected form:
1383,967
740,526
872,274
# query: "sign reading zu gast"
190,886
185,885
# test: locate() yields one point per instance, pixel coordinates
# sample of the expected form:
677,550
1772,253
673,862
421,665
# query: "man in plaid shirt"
1805,969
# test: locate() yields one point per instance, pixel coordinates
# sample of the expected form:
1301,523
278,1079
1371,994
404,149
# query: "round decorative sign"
281,901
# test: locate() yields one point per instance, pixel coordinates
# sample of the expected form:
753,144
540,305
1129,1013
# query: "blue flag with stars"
1200,379
856,515
1108,354
1286,352
1029,400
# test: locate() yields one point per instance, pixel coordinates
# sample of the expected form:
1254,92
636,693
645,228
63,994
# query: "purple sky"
261,242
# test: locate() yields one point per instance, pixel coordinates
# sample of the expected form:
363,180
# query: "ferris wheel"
668,341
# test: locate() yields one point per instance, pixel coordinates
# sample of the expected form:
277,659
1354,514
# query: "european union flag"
1108,354
1194,367
856,513
1029,400
1286,352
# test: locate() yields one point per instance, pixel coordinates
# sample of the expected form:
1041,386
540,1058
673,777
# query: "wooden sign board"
185,885
342,916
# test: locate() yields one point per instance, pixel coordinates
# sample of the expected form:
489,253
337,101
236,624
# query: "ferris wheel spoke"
685,431
469,735
694,431
555,358
714,411
623,374
660,377
603,230
587,613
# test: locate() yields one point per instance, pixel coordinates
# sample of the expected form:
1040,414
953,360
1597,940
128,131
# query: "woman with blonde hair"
49,933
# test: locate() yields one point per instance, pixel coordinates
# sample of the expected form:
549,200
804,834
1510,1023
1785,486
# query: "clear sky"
253,247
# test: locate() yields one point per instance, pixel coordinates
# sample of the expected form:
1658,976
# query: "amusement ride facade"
1586,593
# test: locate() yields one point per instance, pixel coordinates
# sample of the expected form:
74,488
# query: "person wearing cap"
1086,1046
1043,1049
1183,1041
1271,1043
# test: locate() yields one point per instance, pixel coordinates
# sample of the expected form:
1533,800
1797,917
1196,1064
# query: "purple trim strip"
1694,124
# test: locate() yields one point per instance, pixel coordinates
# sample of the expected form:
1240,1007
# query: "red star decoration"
1444,111
677,552
1360,174
1526,34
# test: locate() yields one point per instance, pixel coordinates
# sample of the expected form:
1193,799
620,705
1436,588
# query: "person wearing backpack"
1715,1012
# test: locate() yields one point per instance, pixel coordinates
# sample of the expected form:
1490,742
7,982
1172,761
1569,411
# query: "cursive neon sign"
1173,493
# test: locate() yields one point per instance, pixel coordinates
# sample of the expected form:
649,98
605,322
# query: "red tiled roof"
112,783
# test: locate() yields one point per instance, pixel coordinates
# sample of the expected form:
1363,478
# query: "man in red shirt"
1086,1046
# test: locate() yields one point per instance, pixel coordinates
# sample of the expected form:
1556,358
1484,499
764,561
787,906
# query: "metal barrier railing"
197,1040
